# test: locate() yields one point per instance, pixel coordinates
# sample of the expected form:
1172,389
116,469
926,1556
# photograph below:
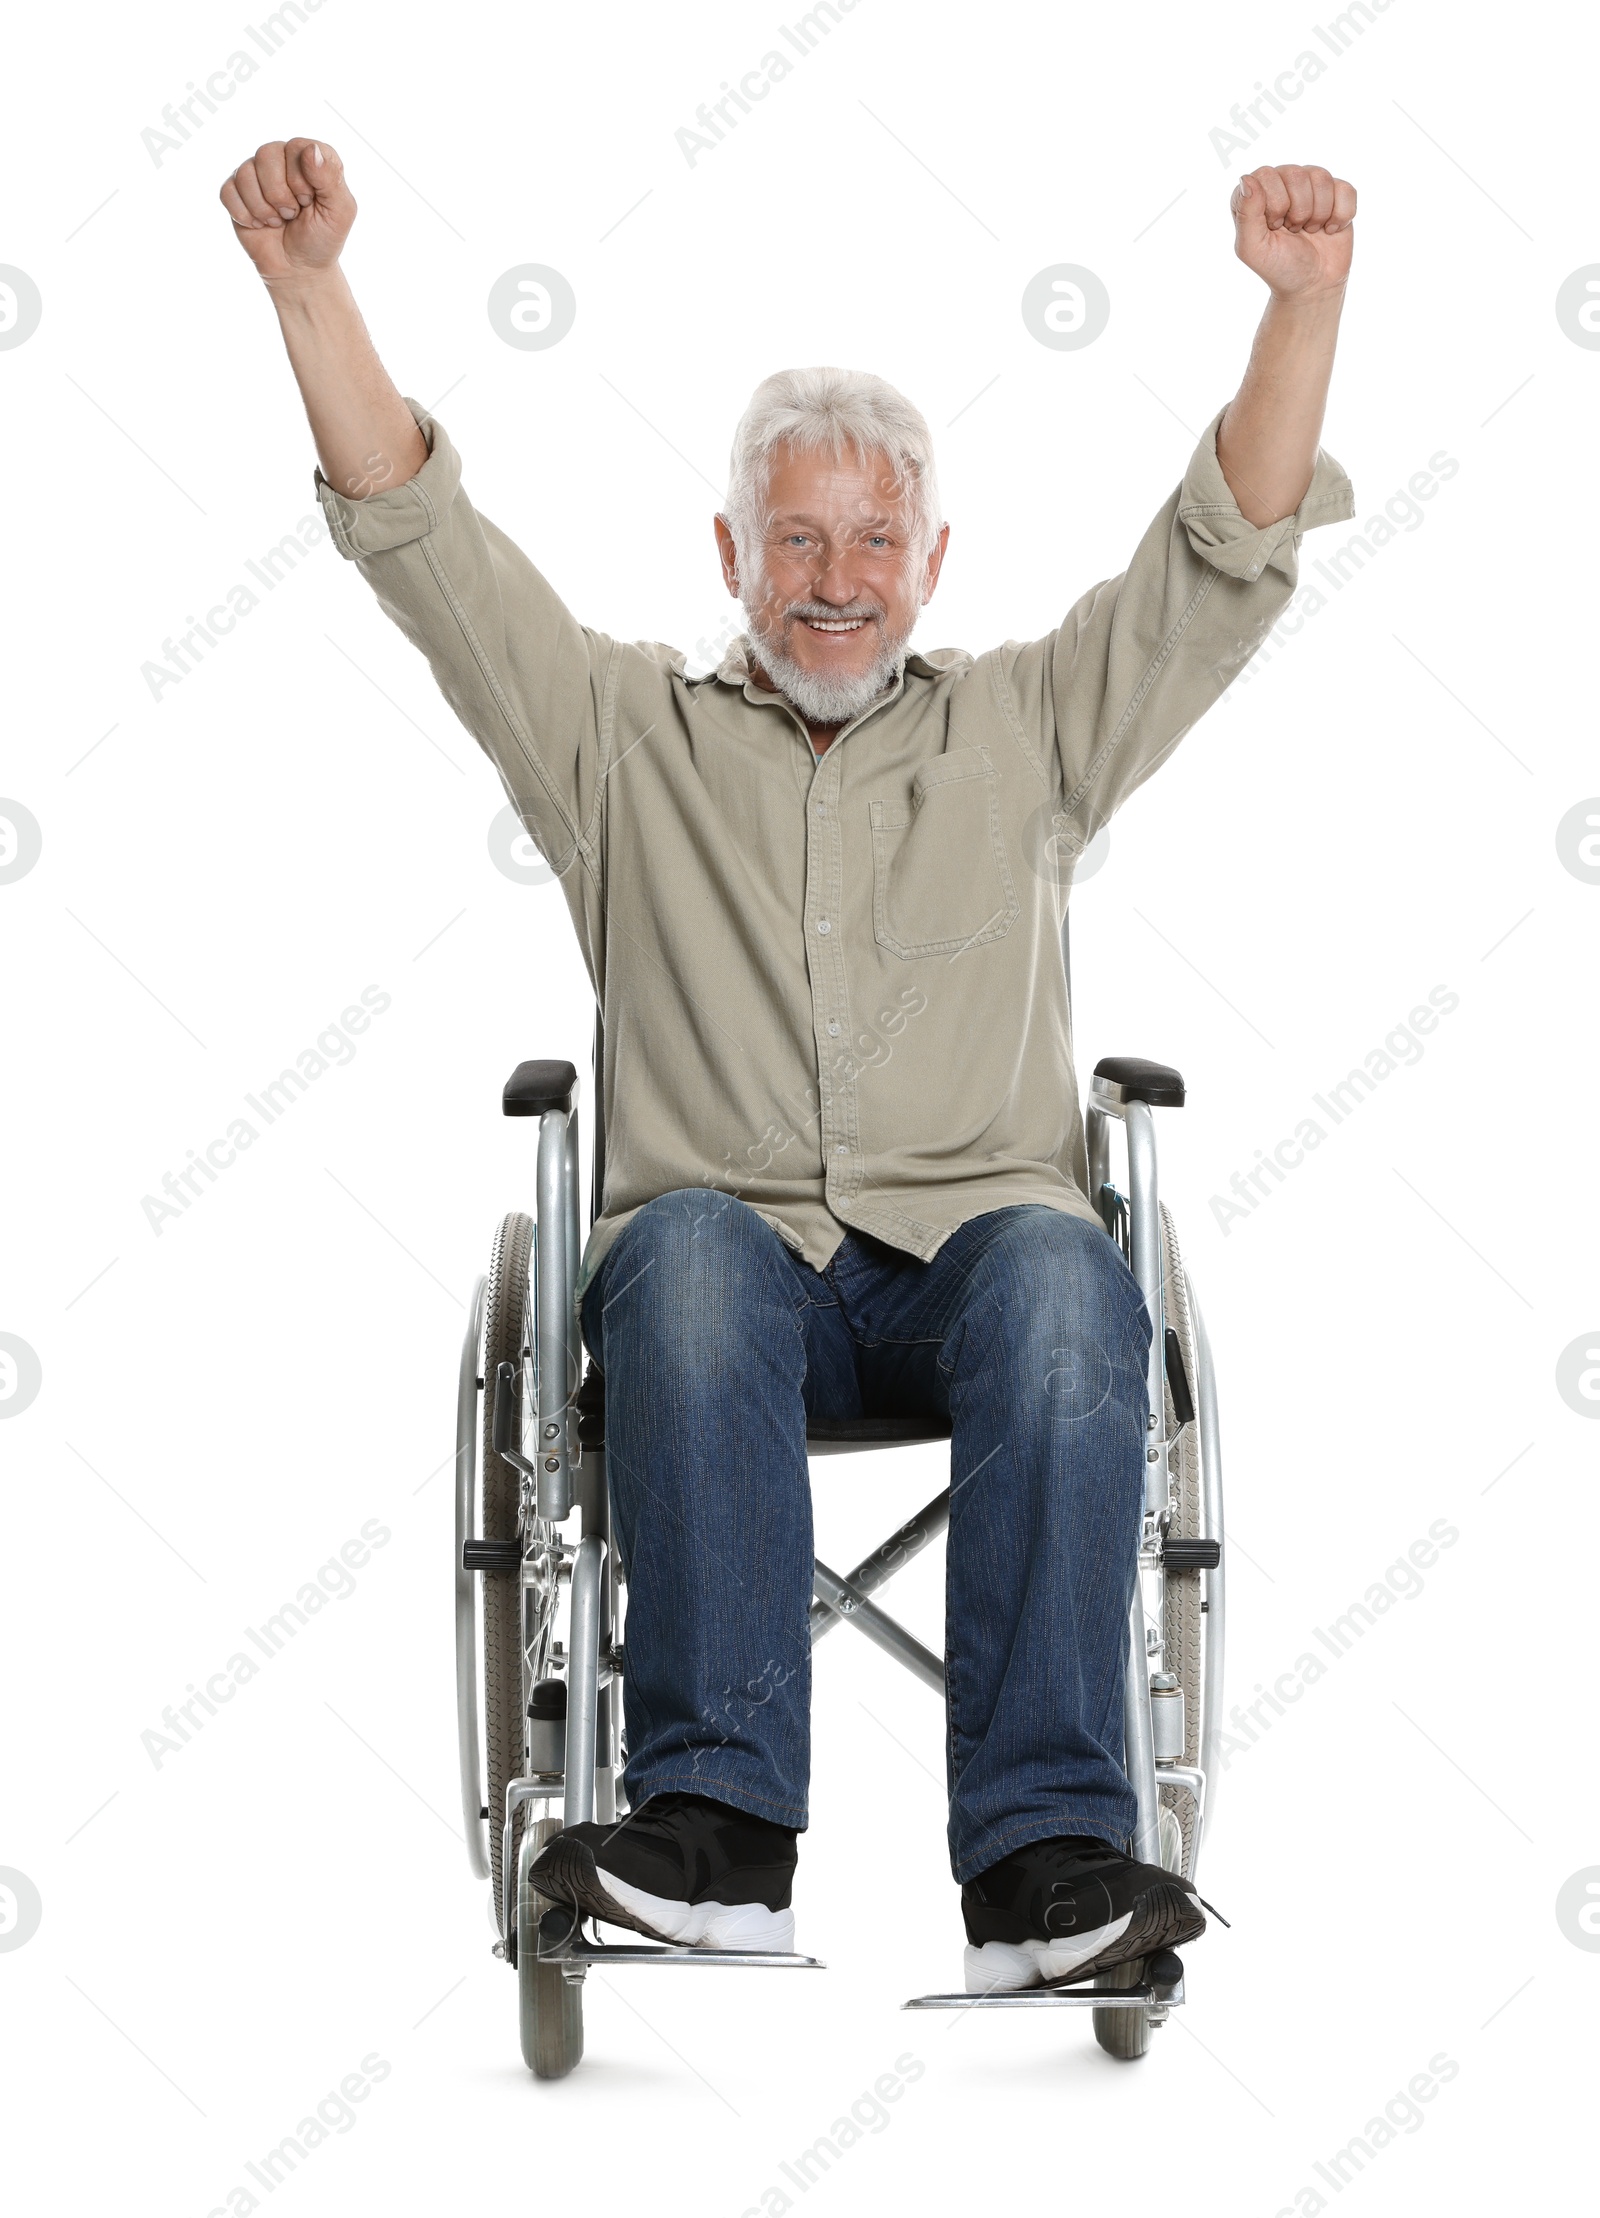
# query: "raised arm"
292,212
1293,228
1102,701
544,696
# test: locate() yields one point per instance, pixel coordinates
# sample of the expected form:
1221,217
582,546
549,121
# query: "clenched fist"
1292,227
290,207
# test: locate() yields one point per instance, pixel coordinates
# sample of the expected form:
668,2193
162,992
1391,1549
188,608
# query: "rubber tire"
507,1334
1124,2034
1185,1627
549,2006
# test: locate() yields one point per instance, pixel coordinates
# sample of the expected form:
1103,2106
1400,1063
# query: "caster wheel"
1124,2034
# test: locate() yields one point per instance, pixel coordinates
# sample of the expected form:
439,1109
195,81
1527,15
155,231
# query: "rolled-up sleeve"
1227,541
1102,702
522,674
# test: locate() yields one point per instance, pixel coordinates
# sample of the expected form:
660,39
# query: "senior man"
845,1171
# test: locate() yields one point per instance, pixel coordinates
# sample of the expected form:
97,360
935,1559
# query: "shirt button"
833,1031
823,925
822,808
841,1149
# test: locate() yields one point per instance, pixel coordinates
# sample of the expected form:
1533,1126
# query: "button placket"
826,964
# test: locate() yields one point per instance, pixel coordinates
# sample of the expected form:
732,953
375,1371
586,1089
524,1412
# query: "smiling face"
832,579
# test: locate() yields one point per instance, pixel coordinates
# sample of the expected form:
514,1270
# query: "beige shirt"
832,985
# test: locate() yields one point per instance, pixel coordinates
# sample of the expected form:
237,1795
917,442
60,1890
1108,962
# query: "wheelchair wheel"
508,1337
1184,1627
549,2006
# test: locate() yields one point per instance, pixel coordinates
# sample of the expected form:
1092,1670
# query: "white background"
1372,815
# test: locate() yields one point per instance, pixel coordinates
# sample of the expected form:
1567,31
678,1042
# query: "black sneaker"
681,1868
1062,1910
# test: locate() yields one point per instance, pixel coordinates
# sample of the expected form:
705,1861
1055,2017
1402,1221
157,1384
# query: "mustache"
819,612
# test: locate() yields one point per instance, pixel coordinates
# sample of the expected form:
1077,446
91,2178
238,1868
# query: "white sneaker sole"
1005,1967
709,1925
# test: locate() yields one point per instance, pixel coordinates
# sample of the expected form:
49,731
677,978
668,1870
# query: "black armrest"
1131,1078
534,1088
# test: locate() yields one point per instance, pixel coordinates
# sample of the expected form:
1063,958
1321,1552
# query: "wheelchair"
530,1459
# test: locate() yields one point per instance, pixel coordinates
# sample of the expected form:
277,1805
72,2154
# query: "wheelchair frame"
576,1769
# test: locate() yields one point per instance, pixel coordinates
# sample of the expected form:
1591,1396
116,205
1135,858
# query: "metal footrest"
601,1952
573,1948
1143,1997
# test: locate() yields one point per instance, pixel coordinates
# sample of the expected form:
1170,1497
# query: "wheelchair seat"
825,1436
844,1436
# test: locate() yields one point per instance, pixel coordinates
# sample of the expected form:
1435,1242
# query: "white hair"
839,411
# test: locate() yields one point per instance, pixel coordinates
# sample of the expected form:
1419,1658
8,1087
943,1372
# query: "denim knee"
687,1257
1067,1317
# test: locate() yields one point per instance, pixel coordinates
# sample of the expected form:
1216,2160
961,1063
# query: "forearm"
366,436
1267,440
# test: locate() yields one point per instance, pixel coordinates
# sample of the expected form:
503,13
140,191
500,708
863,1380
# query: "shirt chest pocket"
941,879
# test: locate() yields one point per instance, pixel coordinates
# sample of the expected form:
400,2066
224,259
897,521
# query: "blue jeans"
717,1342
